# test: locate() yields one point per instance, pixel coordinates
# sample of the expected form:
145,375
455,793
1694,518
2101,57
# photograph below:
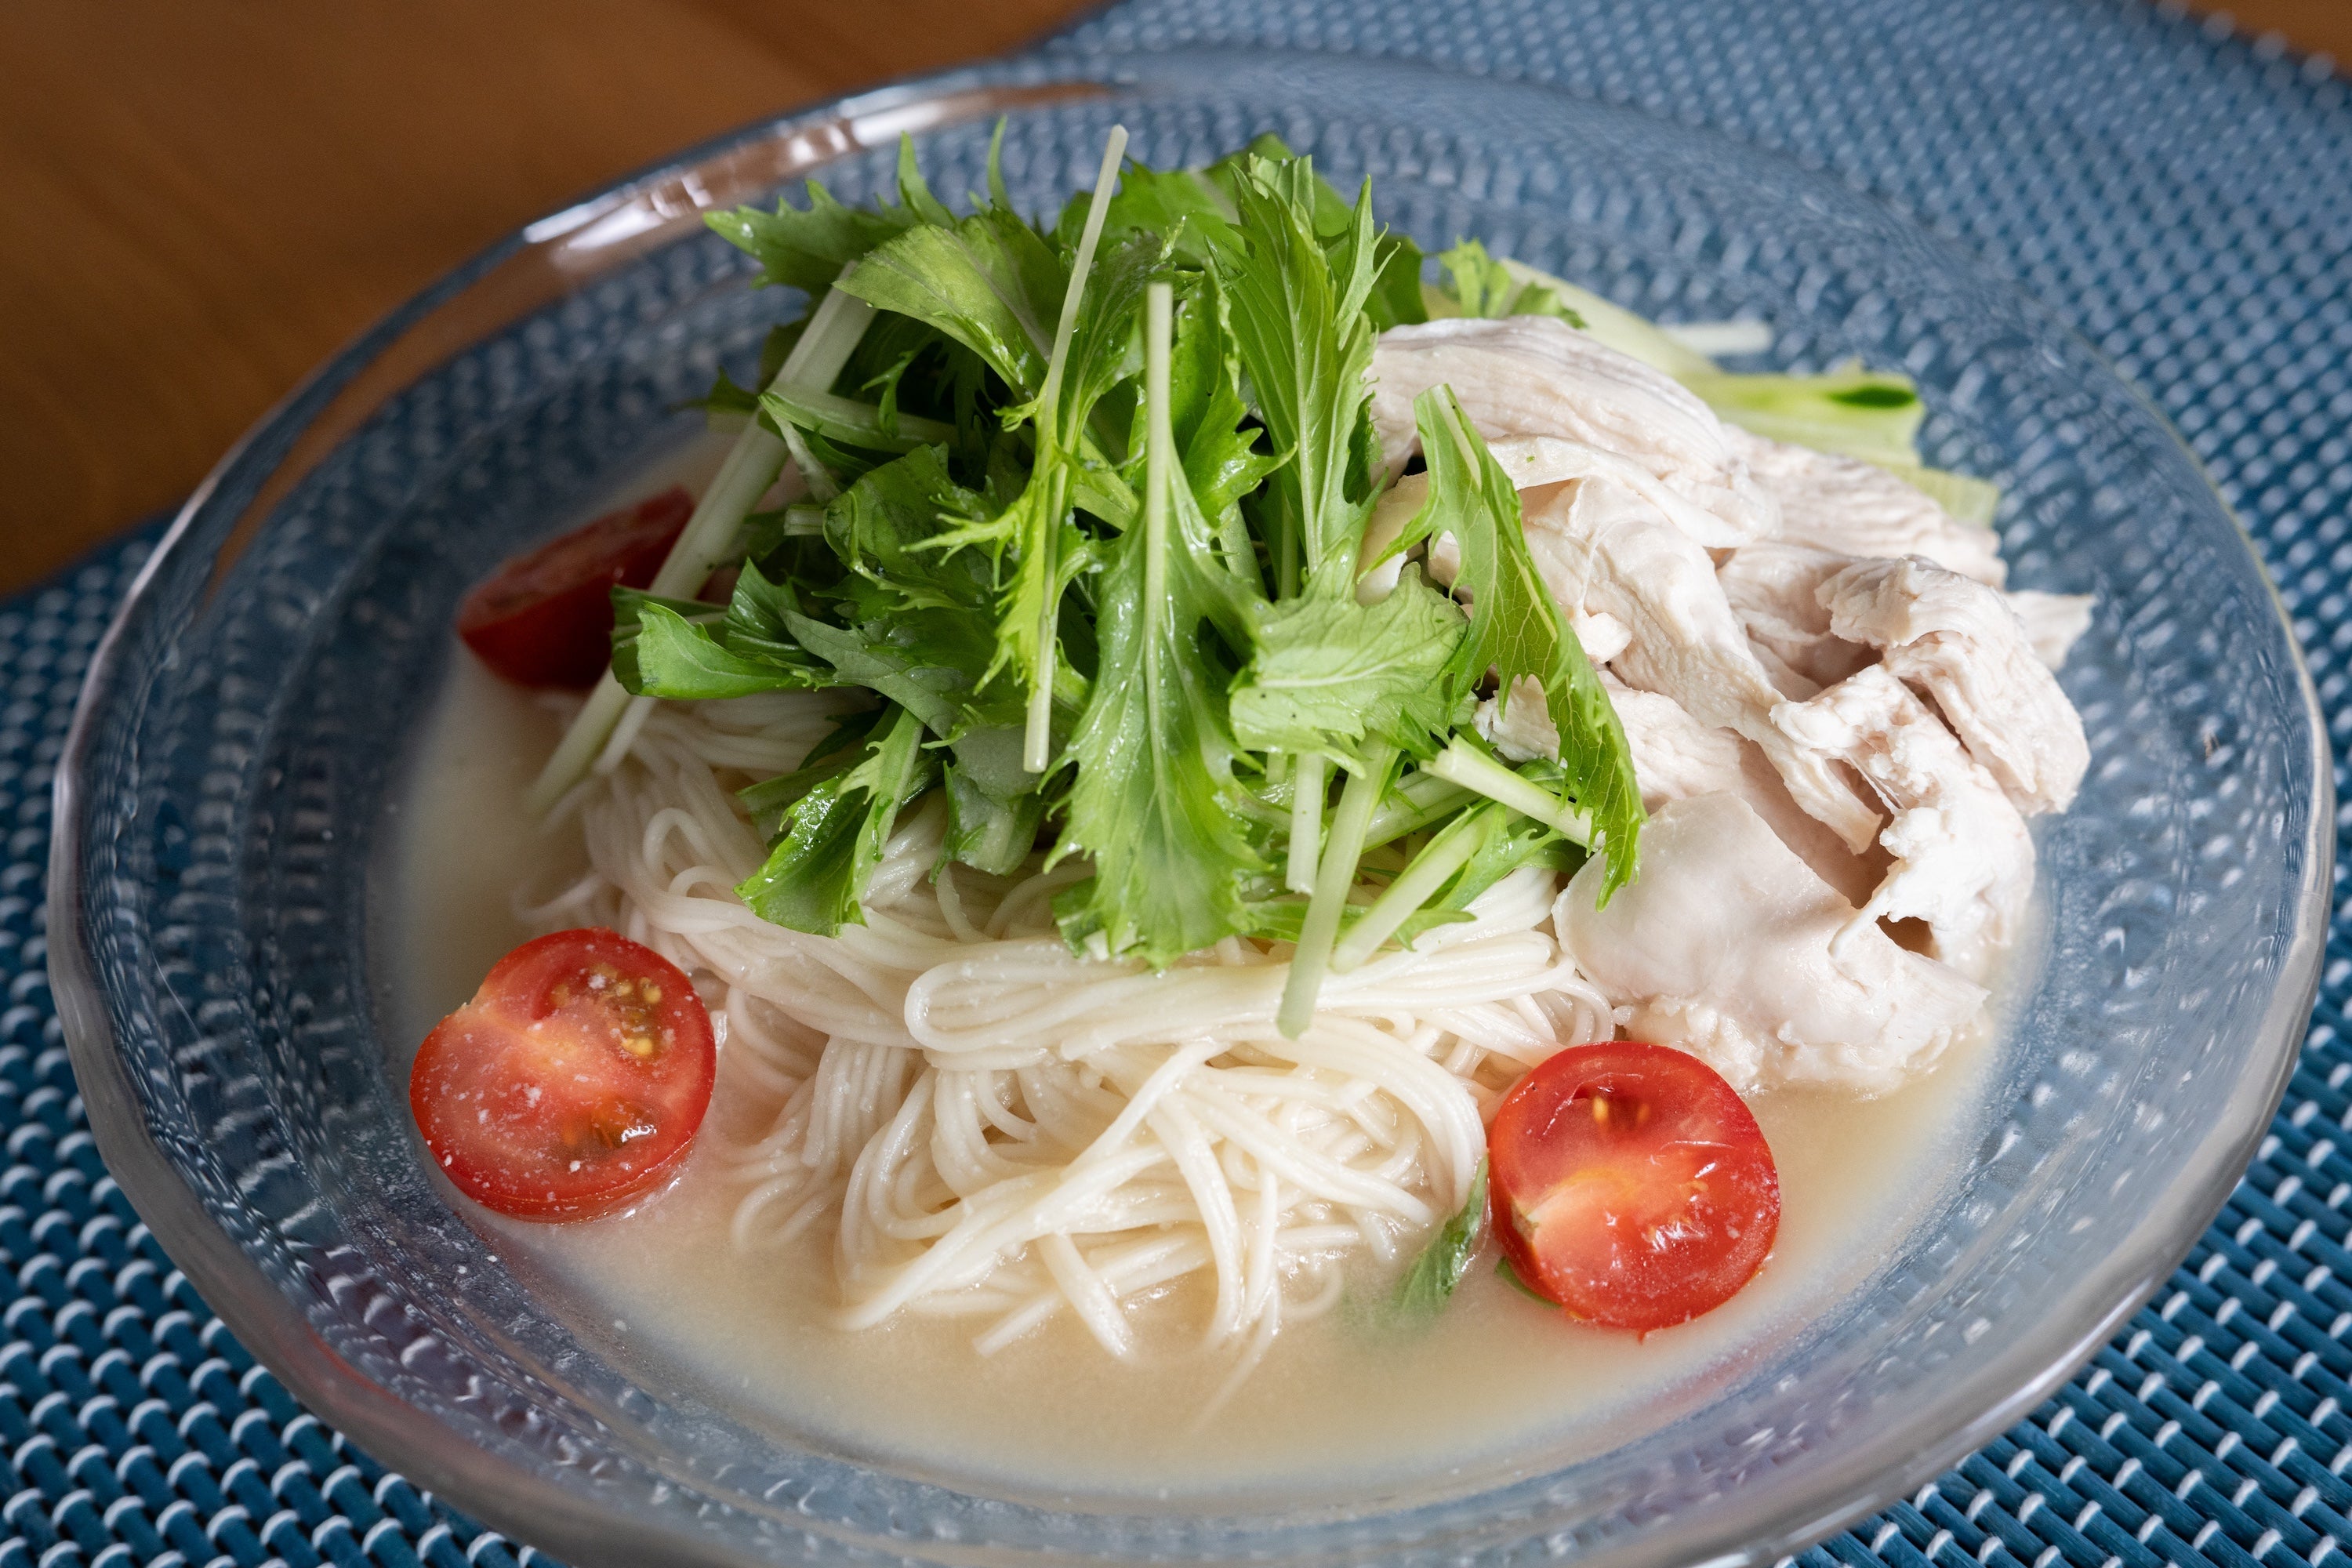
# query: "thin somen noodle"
996,1127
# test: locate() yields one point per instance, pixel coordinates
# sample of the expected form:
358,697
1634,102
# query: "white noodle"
997,1128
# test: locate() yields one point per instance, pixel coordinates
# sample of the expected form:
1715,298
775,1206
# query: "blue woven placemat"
2184,198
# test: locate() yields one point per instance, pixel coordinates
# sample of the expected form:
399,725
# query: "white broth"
1348,1405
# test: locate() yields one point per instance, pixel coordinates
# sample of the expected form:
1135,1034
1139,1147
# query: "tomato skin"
1631,1185
565,1088
546,619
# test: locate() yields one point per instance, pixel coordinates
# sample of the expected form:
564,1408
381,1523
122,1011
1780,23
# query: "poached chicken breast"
1839,719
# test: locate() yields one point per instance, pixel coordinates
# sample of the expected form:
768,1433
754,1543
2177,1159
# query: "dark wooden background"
202,202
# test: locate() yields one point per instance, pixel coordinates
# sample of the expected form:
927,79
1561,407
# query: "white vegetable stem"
1475,770
1158,456
1431,870
709,539
1418,800
1037,742
815,477
1333,878
1306,823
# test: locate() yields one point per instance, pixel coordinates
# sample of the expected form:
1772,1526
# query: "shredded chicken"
1603,550
2053,623
1535,376
1961,644
1792,641
1963,862
1728,946
1676,757
1774,587
1859,509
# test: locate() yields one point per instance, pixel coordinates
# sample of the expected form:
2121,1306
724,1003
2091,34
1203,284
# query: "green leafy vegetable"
1155,802
1208,418
1515,627
818,872
1430,1283
769,800
807,249
988,830
1184,205
1305,343
1395,298
1085,522
1482,286
990,281
1328,673
691,651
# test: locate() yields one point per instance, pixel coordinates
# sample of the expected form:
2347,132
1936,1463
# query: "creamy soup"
1351,1404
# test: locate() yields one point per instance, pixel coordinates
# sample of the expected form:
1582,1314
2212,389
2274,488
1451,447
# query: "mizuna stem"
1037,739
842,418
1333,878
1419,800
751,465
1475,770
815,478
1306,823
1158,452
1431,870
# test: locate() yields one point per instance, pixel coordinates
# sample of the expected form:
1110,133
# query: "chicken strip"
1730,947
1774,587
1675,758
1963,859
2053,622
1859,509
1958,642
1537,377
1603,551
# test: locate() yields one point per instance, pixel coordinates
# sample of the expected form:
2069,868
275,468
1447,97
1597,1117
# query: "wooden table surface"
205,200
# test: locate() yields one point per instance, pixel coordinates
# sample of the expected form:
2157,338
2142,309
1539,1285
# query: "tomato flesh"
1631,1185
574,1081
546,619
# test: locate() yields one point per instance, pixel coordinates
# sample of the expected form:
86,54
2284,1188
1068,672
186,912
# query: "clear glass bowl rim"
641,211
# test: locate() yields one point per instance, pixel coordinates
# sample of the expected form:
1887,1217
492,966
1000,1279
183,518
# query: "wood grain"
205,200
2308,26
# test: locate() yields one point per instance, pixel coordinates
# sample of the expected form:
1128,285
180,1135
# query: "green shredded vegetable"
1085,511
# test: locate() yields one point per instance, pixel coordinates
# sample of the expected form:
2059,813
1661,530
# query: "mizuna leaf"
1516,629
990,282
1298,320
817,875
1155,801
1482,286
807,249
1327,673
1430,1283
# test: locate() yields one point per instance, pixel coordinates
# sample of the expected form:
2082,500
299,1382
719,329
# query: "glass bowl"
221,804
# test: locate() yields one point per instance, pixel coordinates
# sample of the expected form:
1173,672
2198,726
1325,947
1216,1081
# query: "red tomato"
572,1082
546,619
1631,1185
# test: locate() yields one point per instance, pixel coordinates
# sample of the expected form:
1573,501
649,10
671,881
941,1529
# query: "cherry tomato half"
573,1081
1631,1185
546,619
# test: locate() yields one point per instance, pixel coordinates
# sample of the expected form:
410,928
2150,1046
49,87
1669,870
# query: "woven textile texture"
2184,198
